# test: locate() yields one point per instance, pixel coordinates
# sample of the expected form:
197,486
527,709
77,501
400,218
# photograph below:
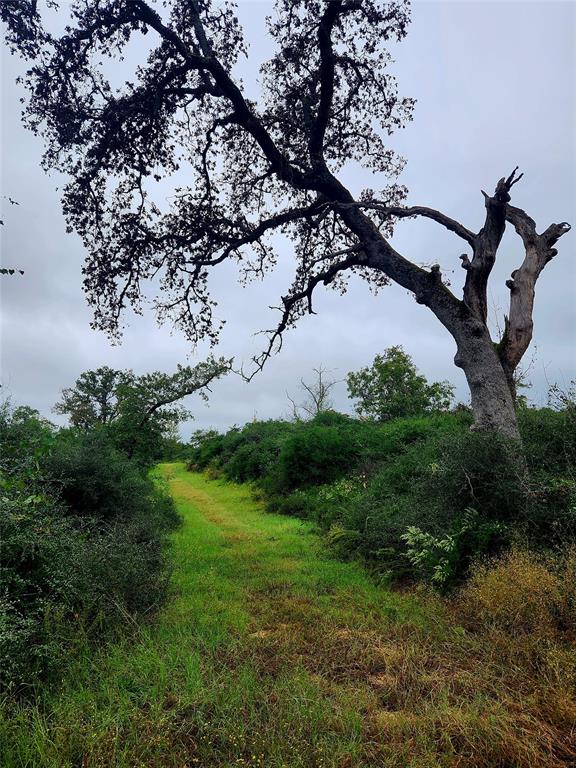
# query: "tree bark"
492,401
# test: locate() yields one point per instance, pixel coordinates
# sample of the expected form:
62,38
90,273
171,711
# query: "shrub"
344,541
479,471
41,582
299,504
314,455
96,482
63,580
331,418
549,439
252,452
443,560
24,438
433,507
82,548
522,594
205,448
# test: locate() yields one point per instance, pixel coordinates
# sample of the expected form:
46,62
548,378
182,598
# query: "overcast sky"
495,86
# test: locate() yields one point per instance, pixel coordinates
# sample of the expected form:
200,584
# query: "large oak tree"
251,170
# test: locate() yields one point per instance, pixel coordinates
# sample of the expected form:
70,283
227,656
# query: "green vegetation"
278,647
272,653
140,414
417,497
82,533
392,388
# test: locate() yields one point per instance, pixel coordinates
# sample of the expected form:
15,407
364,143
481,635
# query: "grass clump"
523,594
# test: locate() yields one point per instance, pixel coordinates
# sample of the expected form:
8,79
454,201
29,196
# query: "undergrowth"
275,654
416,498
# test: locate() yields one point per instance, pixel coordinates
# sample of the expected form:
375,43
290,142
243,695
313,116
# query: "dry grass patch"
472,699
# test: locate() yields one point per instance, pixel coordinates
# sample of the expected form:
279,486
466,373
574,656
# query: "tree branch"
486,245
290,303
539,250
201,377
245,116
327,70
420,210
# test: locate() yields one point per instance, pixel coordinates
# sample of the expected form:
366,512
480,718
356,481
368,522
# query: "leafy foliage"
82,531
139,412
392,388
312,456
444,559
256,167
94,398
416,497
251,169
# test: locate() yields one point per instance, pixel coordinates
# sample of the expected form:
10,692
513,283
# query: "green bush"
205,448
314,455
97,482
549,440
82,532
24,438
41,584
300,503
252,452
444,560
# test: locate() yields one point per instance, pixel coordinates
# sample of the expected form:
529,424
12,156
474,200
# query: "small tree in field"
253,169
392,387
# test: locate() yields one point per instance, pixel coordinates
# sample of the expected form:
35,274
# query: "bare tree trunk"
492,401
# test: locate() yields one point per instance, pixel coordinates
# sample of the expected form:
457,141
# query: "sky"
495,88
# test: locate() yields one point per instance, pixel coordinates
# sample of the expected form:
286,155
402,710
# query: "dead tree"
316,395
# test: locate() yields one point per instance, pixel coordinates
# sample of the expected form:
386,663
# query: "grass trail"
272,654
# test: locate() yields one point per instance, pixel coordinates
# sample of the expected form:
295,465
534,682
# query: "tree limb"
420,210
291,301
486,245
539,250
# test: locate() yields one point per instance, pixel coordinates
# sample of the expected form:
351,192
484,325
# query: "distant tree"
254,168
316,395
24,437
392,387
94,397
138,411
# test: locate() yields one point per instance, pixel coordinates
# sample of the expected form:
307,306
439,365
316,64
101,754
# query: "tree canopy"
392,388
138,411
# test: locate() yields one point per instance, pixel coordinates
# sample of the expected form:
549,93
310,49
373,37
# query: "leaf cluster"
392,388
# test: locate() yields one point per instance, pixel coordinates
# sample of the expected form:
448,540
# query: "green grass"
271,653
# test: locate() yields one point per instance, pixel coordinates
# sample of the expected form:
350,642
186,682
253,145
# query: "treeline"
419,497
